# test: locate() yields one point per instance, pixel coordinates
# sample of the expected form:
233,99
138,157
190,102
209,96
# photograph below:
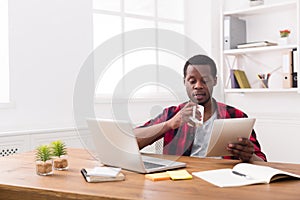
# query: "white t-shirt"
202,136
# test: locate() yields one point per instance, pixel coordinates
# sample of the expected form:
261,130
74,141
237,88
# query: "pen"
240,174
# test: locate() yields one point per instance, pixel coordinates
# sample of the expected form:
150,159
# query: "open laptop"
116,145
225,131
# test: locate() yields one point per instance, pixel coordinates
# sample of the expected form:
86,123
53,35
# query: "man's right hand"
184,116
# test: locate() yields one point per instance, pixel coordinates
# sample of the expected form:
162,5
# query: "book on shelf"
256,44
243,174
241,78
233,81
102,174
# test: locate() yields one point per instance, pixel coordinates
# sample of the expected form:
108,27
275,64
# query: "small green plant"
284,33
43,153
58,148
59,152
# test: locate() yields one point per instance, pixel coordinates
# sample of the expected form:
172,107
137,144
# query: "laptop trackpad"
151,162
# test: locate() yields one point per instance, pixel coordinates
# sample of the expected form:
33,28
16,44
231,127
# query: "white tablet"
225,131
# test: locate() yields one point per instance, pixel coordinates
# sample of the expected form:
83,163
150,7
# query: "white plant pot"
256,2
283,41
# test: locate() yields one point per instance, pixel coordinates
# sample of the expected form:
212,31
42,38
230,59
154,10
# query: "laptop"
225,131
116,145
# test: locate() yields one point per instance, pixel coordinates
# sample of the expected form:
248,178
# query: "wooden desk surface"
18,180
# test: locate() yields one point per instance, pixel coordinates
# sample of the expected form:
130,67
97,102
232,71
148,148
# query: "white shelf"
263,9
253,60
261,90
259,49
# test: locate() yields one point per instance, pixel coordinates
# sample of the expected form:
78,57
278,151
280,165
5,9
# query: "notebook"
116,145
225,131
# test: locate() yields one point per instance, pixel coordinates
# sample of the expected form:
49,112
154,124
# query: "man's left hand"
242,149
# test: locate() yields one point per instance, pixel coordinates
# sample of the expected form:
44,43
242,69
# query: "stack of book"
239,79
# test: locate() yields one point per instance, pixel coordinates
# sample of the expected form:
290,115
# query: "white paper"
104,171
225,178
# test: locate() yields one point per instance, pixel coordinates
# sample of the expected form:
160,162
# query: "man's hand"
184,116
242,149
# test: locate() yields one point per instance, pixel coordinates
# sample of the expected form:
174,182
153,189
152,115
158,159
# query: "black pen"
240,174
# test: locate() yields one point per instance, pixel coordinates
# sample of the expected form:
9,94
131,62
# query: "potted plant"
44,164
284,36
59,152
284,33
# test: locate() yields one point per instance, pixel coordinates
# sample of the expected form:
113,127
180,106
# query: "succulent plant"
43,153
58,148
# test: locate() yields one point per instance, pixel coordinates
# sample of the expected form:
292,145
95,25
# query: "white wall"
199,22
49,41
202,26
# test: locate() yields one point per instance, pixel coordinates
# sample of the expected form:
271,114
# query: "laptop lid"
225,131
116,145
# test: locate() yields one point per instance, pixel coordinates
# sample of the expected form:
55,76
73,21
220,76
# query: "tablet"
225,131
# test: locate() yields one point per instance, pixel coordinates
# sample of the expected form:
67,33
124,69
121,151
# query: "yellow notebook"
179,175
158,176
241,78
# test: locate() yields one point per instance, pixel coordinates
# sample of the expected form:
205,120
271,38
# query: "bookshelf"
262,9
259,49
262,24
261,90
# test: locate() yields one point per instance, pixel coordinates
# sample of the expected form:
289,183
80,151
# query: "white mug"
193,117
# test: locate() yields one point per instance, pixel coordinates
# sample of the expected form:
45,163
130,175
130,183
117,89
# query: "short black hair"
201,60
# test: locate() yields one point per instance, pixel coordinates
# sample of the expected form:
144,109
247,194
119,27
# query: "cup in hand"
200,108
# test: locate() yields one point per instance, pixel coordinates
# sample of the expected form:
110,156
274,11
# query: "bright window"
111,18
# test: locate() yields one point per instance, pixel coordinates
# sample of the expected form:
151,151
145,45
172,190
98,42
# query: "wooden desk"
18,180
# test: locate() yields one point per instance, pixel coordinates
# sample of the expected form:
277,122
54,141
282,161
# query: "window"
114,17
4,61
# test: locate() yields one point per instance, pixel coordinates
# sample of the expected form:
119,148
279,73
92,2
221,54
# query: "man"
174,123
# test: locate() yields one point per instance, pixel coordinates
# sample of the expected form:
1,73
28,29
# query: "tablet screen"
225,131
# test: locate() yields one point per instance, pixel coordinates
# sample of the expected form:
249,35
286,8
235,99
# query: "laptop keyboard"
149,165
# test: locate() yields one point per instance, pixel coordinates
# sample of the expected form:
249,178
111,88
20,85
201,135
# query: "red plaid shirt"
180,141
